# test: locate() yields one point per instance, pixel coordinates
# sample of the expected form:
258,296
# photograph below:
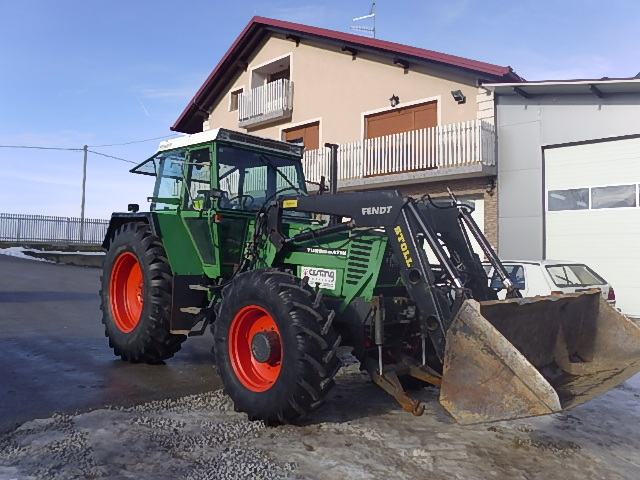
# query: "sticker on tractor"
376,210
327,251
404,248
323,277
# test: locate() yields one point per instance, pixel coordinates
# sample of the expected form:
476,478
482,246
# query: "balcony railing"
266,103
438,151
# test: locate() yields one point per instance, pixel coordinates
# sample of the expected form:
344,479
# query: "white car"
544,277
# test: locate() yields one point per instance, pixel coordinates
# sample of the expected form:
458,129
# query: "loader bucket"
533,356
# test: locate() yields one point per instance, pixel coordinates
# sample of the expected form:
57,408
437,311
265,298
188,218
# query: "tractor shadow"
355,397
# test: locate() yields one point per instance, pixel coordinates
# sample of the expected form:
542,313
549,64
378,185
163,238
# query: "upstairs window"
234,99
277,70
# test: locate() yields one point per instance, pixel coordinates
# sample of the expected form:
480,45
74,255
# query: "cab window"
168,186
198,178
248,179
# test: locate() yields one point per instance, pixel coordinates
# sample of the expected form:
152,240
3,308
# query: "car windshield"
573,275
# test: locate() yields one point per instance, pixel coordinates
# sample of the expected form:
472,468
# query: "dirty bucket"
533,356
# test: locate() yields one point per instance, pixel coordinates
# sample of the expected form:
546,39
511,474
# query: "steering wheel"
242,200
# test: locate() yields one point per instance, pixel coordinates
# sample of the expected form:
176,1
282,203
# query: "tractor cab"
210,186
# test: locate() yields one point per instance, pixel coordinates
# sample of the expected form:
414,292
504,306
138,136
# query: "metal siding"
524,127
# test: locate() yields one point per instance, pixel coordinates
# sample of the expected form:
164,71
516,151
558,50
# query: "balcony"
266,103
456,150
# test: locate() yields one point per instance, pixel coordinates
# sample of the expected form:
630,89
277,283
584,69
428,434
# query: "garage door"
403,119
592,214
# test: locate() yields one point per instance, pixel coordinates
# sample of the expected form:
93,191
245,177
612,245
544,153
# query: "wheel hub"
255,348
265,347
126,291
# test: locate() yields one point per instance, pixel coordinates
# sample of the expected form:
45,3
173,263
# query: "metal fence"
16,227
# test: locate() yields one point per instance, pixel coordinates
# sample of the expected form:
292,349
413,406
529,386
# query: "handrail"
444,146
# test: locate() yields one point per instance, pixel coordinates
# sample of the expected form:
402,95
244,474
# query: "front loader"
283,279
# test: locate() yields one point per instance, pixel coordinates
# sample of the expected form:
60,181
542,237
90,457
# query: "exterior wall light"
394,100
458,96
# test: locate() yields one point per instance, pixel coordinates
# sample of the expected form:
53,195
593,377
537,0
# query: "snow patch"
19,252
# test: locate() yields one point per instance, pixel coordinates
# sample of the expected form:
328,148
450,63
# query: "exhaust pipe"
333,177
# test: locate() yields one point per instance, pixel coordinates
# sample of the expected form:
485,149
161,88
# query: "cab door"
197,214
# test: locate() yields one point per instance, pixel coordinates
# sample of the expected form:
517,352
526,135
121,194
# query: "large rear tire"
136,296
275,348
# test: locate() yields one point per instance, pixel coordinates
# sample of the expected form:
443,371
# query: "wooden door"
402,119
307,135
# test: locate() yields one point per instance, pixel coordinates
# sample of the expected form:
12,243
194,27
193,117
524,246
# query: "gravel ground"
359,433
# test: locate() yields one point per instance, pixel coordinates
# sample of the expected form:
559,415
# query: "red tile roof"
190,120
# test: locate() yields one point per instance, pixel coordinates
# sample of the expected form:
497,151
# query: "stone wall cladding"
486,106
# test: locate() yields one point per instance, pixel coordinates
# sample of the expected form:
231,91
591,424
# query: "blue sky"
76,72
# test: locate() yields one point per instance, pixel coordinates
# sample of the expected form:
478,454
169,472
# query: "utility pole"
84,184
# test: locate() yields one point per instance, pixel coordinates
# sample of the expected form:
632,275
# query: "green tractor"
284,278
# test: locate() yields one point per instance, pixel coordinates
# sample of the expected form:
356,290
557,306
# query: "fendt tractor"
283,278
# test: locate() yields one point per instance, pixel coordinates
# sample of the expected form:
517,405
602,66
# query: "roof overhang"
236,59
600,88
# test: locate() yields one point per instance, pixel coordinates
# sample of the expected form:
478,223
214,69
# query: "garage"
592,212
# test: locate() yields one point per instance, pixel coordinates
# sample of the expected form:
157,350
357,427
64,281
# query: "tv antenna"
370,29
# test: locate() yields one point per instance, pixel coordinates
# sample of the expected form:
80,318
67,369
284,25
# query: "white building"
569,176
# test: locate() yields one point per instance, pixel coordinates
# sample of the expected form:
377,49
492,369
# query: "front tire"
136,296
275,347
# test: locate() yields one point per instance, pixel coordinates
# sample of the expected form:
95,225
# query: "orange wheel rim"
251,325
126,291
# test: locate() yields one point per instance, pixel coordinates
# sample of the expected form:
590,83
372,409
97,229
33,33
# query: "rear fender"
120,218
183,296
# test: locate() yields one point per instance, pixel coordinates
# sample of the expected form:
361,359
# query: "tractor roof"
230,136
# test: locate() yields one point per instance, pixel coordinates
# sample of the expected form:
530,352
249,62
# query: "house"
569,176
403,117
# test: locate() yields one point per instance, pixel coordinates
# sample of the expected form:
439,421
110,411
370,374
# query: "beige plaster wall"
332,87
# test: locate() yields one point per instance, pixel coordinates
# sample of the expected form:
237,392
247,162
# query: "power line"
69,149
73,149
42,148
113,157
135,141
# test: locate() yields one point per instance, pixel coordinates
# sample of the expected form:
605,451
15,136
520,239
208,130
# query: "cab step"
191,310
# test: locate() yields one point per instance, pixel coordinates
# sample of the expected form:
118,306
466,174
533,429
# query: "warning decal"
322,277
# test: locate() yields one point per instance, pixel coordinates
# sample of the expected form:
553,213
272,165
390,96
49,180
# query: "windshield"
249,178
574,275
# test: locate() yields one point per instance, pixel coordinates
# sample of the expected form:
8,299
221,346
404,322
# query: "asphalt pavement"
54,356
